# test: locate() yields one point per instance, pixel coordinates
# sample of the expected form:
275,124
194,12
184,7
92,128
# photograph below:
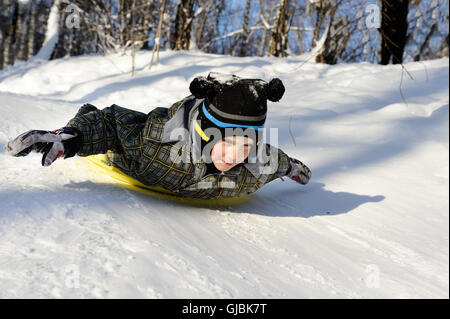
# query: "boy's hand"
53,144
299,172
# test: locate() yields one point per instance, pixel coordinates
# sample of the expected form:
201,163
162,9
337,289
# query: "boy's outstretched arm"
91,131
52,144
298,171
290,167
98,129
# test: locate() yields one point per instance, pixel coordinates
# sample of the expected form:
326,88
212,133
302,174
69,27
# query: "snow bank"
372,223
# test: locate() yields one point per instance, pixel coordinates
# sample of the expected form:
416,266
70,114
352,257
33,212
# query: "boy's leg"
86,108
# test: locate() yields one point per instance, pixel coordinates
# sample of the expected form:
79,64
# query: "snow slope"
372,223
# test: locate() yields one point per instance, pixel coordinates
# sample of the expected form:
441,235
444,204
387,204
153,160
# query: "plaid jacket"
145,147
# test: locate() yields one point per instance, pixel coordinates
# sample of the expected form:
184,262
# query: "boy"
207,146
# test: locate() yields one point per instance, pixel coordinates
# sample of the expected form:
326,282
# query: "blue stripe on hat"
223,124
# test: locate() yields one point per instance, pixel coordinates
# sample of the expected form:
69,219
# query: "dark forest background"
383,31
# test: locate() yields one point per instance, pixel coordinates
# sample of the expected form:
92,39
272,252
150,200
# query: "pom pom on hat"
201,87
275,90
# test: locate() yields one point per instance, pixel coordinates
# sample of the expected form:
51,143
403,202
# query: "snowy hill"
372,223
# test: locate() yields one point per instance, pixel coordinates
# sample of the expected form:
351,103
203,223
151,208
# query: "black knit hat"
236,101
231,101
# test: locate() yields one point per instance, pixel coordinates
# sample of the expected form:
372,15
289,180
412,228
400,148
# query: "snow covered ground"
372,223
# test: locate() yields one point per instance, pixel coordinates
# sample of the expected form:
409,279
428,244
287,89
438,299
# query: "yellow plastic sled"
101,163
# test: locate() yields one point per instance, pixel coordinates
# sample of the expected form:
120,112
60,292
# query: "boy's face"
230,151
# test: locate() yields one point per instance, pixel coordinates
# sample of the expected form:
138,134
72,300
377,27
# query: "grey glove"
53,144
298,171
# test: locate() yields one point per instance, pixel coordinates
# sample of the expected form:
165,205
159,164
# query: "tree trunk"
445,47
245,31
25,32
61,46
264,16
183,23
337,36
158,35
123,22
31,30
2,45
21,26
279,37
201,26
423,46
52,33
11,37
393,29
319,19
